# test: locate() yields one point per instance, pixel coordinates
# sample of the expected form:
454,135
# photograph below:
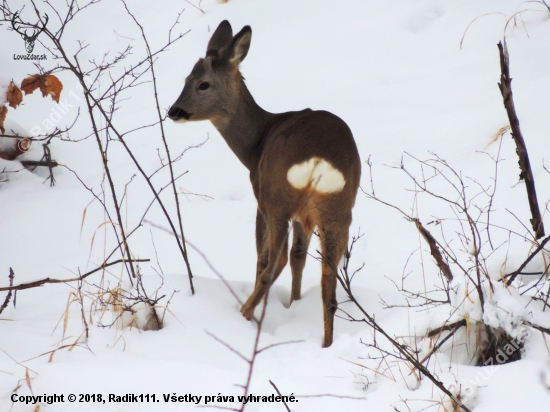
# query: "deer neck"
243,126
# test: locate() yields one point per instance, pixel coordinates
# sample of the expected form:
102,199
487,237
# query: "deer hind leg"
262,248
334,238
298,254
277,239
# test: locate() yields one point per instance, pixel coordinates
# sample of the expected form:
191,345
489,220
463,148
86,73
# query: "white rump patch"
318,173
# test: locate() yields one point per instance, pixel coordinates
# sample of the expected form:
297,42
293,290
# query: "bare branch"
526,174
79,278
277,389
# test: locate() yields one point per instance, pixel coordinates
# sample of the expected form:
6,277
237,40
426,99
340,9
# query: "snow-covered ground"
395,72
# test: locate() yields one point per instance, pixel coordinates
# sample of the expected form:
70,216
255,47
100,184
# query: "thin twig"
277,389
515,273
537,327
197,7
228,346
402,349
170,163
196,249
445,339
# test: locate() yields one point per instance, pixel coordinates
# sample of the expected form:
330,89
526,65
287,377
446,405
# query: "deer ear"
240,45
220,38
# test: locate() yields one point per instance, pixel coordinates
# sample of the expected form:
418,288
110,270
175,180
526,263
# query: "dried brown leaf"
13,95
51,86
30,84
3,113
48,85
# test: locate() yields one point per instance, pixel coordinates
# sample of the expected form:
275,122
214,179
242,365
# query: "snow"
395,72
4,84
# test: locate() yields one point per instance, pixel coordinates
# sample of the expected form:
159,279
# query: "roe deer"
304,167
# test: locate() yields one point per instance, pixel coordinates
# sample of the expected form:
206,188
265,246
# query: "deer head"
212,90
29,40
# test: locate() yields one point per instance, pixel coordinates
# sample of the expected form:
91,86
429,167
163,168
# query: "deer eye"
204,86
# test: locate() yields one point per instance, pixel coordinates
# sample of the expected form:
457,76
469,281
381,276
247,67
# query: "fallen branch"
526,174
36,163
84,276
449,326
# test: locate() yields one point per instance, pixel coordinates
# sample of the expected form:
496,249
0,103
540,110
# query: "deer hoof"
247,312
327,342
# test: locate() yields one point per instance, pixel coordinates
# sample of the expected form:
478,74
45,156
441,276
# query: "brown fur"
269,145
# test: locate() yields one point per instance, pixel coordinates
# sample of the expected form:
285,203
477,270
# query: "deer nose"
175,113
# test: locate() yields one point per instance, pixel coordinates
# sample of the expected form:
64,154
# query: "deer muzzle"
178,115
